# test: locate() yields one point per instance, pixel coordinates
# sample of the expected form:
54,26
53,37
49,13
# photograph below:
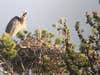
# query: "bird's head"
24,14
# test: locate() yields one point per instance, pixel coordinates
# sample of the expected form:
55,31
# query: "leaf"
58,40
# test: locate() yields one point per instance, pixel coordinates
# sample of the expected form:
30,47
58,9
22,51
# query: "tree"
47,53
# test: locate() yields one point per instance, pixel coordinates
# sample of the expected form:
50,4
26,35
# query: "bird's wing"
12,25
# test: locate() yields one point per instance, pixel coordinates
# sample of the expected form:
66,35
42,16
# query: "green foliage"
75,61
90,46
45,33
83,47
38,33
58,40
46,58
51,35
7,47
20,34
54,25
45,53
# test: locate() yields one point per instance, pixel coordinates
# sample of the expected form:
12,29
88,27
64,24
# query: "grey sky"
46,12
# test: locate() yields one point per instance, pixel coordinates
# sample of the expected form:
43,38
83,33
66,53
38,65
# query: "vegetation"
44,53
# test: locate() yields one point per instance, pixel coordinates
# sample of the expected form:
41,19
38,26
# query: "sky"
47,12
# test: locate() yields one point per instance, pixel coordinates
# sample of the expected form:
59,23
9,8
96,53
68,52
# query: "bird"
16,24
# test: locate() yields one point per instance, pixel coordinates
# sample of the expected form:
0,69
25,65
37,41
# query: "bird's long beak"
24,14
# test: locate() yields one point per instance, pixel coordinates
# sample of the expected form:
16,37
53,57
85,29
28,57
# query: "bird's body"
16,24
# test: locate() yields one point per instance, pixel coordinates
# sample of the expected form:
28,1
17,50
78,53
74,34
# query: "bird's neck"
23,21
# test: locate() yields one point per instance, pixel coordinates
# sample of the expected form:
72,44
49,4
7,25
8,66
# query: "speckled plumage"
16,24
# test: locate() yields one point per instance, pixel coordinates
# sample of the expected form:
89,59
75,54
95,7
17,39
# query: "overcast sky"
46,12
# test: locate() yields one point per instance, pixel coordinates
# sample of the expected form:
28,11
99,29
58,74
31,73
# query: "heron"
16,24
